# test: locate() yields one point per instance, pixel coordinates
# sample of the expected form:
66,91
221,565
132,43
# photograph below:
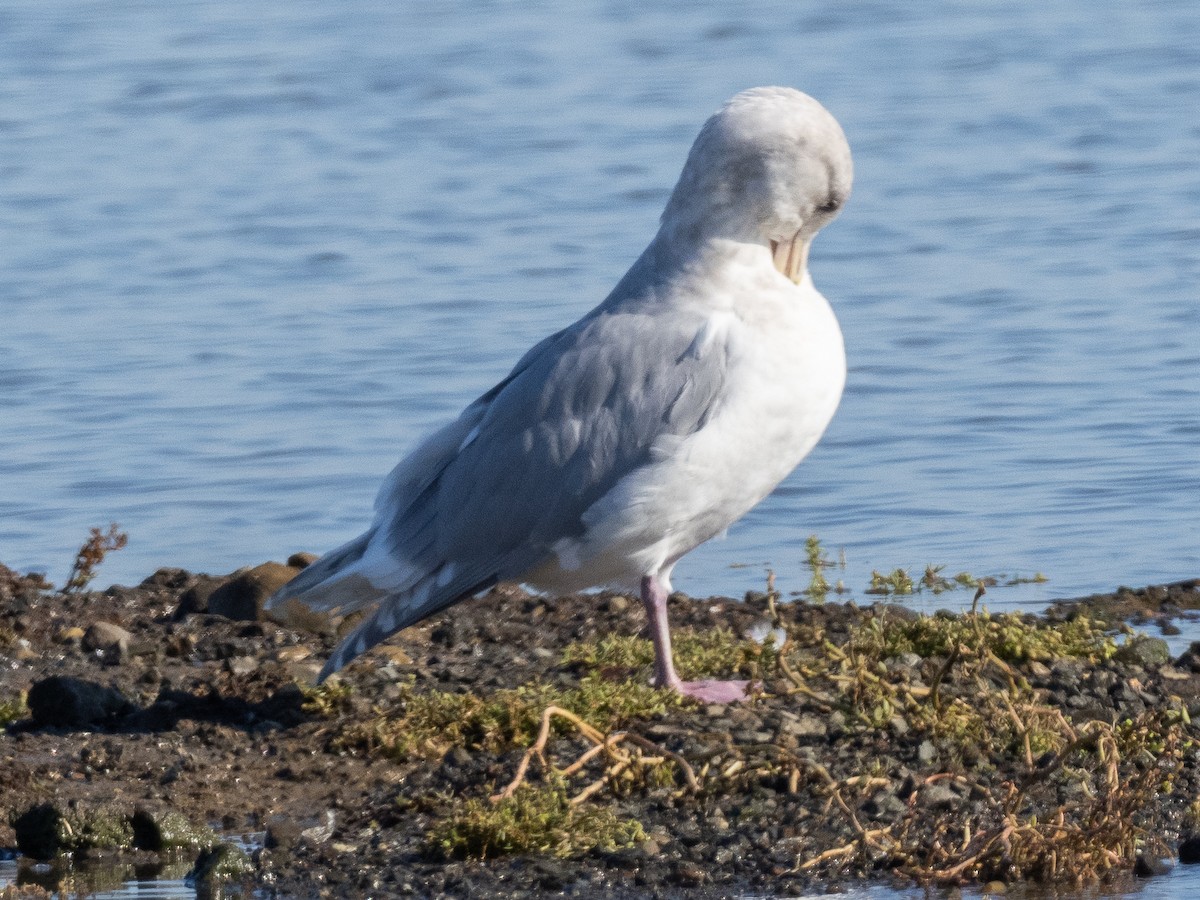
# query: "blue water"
253,252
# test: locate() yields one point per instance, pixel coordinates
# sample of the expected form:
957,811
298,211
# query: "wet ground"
510,747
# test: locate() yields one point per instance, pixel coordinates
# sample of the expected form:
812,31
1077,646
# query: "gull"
622,442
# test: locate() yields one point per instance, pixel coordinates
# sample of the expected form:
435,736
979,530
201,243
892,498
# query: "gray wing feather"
485,498
560,433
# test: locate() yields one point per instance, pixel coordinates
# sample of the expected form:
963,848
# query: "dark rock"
74,702
688,874
282,834
939,796
39,831
243,597
445,633
195,599
168,577
1189,850
1148,868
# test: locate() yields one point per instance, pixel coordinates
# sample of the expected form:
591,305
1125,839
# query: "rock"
282,834
806,725
1144,651
926,752
885,805
1148,868
302,560
220,862
939,796
319,834
688,874
44,831
242,597
1189,850
39,831
168,577
195,599
241,665
109,640
159,831
74,702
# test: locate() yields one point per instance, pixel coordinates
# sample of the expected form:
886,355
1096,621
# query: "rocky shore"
512,747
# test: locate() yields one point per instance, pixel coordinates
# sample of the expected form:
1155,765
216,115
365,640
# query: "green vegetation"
818,586
717,652
430,724
535,819
12,709
327,699
1010,637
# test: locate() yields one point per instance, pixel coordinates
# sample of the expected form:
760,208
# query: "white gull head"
771,167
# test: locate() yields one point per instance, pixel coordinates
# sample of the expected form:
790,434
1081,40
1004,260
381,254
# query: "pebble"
107,639
806,725
939,796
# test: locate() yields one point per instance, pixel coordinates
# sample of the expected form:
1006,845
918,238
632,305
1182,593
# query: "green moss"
45,830
818,586
1009,637
326,700
429,724
12,709
224,861
170,830
702,654
537,819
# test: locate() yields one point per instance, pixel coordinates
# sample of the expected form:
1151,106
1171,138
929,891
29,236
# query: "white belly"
783,386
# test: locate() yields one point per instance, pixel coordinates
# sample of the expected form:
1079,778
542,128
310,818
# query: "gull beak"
791,257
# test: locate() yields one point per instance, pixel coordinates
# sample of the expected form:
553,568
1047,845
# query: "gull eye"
830,206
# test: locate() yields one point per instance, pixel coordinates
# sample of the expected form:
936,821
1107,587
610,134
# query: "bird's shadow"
283,708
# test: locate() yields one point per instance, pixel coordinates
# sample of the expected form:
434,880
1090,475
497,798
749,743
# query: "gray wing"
486,498
555,437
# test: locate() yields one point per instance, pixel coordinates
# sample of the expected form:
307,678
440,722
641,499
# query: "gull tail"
346,580
323,584
397,611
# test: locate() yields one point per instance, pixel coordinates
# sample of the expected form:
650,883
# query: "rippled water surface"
252,252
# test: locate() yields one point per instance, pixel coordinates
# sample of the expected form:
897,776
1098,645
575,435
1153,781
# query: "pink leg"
654,598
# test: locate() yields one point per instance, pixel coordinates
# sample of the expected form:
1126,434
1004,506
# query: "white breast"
786,372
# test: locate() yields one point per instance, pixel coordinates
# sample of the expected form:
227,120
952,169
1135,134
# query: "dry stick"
539,746
606,745
844,850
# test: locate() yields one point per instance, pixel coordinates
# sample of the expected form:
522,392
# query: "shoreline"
886,747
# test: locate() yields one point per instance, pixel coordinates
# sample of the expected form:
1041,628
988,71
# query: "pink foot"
712,691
